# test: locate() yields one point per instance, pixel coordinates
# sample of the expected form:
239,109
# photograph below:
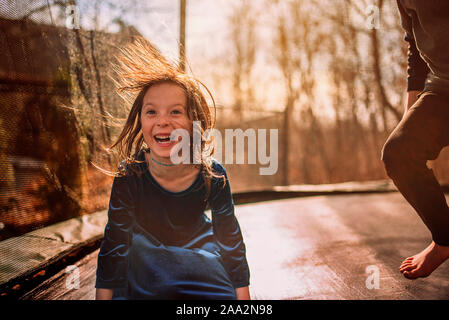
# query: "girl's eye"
176,112
151,112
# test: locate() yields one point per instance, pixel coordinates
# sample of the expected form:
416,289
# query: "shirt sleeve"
112,265
417,68
227,231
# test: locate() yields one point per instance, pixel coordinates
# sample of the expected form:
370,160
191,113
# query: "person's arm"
112,265
228,235
417,68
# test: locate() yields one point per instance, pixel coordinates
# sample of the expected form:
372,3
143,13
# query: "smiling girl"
158,242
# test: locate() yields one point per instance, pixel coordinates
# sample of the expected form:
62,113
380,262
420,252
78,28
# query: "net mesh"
55,98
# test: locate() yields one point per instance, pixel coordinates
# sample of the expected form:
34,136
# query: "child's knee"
395,155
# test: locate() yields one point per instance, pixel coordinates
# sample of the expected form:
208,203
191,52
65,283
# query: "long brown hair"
139,66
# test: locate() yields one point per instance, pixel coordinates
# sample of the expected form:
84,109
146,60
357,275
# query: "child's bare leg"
424,263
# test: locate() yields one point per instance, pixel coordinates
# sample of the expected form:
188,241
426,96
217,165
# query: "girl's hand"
242,293
104,294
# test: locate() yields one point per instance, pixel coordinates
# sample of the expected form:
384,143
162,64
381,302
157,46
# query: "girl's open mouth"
163,140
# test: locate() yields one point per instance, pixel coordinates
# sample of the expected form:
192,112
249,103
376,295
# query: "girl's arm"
228,235
112,267
242,293
103,294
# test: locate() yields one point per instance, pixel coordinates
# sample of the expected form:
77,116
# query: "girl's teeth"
165,139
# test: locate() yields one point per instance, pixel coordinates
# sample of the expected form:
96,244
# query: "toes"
408,275
407,268
416,273
413,274
405,264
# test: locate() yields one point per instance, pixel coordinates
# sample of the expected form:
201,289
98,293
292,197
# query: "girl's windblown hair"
139,66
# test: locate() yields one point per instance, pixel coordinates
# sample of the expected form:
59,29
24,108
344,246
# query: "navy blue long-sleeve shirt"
140,206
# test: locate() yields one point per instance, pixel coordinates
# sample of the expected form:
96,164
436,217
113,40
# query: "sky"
208,46
206,34
207,41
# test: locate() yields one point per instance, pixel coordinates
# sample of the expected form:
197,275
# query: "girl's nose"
162,120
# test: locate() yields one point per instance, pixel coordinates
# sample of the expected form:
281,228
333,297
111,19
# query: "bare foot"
424,263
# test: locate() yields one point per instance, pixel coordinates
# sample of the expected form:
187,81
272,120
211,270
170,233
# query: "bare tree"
297,44
242,23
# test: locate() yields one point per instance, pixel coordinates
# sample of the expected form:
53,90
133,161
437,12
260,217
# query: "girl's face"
163,110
